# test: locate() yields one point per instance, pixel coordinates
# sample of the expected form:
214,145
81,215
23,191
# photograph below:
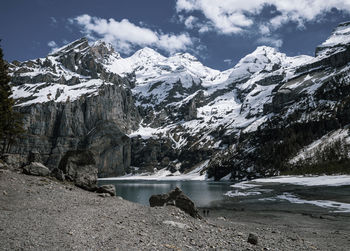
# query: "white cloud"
53,20
173,43
190,22
264,29
236,16
271,41
204,29
125,35
52,45
228,61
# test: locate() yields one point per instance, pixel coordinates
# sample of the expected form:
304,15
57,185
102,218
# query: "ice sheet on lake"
245,185
337,207
241,194
325,180
254,187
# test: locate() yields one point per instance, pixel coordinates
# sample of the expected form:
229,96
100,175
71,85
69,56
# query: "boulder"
176,224
57,173
36,168
159,200
253,239
79,166
14,160
175,198
107,189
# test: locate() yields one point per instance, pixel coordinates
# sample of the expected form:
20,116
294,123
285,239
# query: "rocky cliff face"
148,112
98,123
97,112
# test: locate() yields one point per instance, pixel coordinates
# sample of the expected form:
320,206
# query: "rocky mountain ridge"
149,112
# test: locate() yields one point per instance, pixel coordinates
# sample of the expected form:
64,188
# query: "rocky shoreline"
40,213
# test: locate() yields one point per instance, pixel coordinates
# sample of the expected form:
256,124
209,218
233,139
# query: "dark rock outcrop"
37,169
111,148
110,189
58,174
175,198
80,168
150,153
253,239
34,157
15,160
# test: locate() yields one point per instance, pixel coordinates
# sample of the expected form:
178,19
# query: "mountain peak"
340,37
262,58
265,50
185,55
101,49
79,44
261,54
147,53
101,43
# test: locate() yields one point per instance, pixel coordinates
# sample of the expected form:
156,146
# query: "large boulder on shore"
175,198
110,189
37,169
79,166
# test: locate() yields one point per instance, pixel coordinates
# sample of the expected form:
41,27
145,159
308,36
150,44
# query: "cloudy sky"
218,32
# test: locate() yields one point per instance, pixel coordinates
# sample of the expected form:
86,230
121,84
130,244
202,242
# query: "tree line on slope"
10,120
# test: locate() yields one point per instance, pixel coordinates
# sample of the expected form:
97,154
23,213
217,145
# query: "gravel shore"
38,213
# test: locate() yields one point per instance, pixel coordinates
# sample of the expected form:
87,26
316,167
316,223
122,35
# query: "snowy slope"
189,106
243,92
48,79
45,92
336,42
156,74
226,109
149,65
320,144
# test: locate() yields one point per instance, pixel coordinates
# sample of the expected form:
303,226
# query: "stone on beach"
79,167
253,239
110,189
175,198
37,169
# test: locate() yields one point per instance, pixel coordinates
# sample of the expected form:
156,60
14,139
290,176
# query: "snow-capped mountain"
337,42
175,113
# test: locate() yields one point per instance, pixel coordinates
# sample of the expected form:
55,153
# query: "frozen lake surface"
329,194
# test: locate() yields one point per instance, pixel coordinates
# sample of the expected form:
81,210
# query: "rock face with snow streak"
337,42
149,112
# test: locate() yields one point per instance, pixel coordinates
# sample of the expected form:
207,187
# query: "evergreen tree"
10,123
